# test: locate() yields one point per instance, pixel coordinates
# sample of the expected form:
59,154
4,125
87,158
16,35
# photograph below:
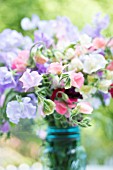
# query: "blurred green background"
79,11
98,140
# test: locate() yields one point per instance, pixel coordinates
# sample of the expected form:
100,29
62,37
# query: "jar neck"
58,134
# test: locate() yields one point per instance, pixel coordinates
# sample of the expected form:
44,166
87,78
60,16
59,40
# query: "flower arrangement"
56,74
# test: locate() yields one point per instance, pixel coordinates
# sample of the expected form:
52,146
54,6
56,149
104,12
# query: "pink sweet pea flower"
99,43
30,79
55,68
85,107
77,79
20,62
110,66
71,104
61,107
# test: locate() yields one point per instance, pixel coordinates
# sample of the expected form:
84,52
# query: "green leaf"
63,76
68,83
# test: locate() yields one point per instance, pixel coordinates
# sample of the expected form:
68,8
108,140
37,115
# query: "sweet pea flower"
77,79
110,66
80,50
61,107
85,40
70,103
24,109
42,36
5,127
29,24
20,62
55,68
85,107
93,63
42,68
99,23
70,53
75,64
99,42
6,79
30,79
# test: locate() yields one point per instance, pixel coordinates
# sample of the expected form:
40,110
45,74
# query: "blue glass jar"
63,150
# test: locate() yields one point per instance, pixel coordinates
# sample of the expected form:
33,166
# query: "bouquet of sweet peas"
57,74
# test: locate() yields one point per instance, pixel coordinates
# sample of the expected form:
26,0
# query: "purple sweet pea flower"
8,57
101,22
6,79
30,79
24,109
97,26
40,36
66,30
11,42
100,73
42,68
33,98
11,39
19,84
5,127
106,98
61,28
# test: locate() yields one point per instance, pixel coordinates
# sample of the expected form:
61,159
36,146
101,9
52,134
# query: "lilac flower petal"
16,110
41,68
5,127
99,24
40,36
11,42
6,79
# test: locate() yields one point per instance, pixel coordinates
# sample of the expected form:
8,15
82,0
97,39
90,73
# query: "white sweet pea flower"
104,85
29,24
62,44
85,40
75,64
70,53
93,63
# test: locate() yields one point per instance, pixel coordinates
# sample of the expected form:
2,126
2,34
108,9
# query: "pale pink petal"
55,68
85,107
77,79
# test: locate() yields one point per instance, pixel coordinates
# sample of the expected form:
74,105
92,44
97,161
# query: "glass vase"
63,150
